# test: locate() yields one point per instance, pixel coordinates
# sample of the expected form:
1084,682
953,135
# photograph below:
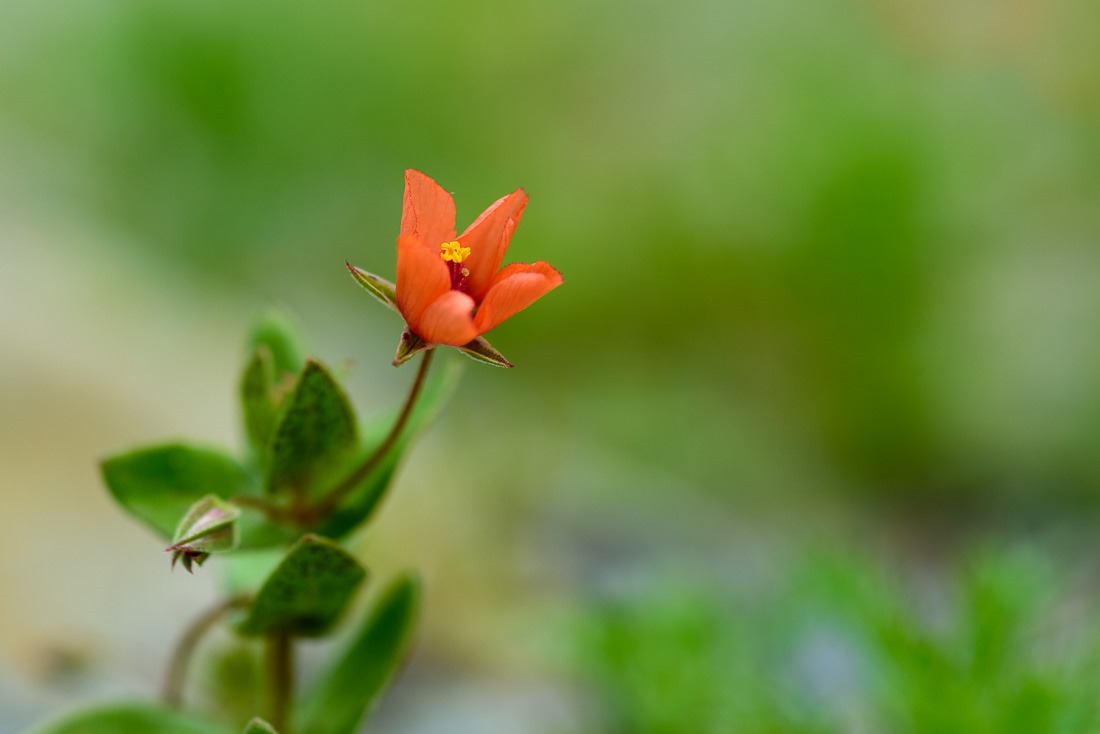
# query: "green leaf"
259,402
362,501
259,726
275,358
340,698
128,718
315,433
158,485
380,288
276,331
307,592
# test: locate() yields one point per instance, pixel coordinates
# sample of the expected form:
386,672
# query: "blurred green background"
808,441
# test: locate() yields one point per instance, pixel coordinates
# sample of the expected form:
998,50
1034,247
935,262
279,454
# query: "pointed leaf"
307,592
482,351
259,402
158,485
409,346
275,358
259,726
342,696
276,331
128,718
380,288
315,433
361,502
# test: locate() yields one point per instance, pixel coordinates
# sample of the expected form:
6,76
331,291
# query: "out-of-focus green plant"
843,646
279,512
311,475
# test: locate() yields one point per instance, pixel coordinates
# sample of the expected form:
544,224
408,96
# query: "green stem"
338,493
272,511
281,664
185,648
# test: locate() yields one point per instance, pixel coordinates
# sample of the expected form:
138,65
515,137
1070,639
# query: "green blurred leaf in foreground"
338,701
128,718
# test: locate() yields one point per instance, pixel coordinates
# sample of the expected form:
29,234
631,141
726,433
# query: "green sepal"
345,692
307,591
129,718
190,558
315,433
409,346
159,484
482,351
361,502
479,350
259,726
380,288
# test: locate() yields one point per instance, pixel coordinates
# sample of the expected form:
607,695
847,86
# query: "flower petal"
428,213
448,320
488,239
422,278
515,288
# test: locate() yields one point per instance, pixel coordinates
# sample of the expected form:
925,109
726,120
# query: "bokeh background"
808,441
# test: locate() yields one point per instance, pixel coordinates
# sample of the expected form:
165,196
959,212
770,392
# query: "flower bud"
209,526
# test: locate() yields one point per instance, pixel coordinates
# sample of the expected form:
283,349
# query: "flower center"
453,253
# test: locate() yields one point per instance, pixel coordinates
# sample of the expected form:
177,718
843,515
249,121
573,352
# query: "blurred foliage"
842,646
870,230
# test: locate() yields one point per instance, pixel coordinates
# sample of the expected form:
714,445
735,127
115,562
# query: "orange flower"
451,290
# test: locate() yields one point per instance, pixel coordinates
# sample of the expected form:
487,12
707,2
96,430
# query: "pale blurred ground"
86,373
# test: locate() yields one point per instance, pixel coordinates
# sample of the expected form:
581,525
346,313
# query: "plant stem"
338,493
185,648
273,512
281,664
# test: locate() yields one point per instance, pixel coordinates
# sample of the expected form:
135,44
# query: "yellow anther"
453,252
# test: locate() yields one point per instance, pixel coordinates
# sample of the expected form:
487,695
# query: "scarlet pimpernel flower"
451,290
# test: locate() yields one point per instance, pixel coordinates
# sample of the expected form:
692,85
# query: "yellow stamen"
453,252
